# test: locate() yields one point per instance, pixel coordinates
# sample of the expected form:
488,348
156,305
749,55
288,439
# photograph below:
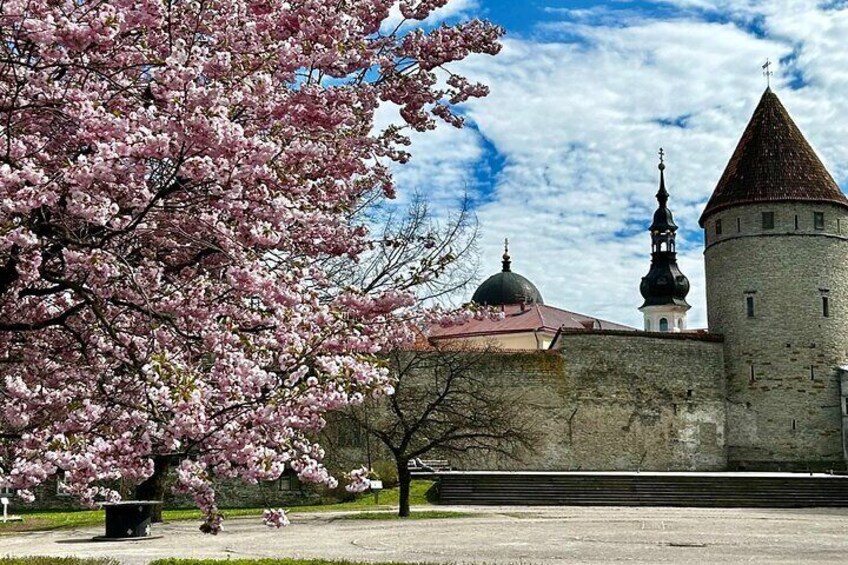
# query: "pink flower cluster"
177,182
358,480
275,518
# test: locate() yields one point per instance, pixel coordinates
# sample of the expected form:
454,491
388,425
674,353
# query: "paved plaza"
493,535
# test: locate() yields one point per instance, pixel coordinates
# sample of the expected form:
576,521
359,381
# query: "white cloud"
454,8
579,123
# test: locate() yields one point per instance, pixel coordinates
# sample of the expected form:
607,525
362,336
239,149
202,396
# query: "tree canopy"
176,176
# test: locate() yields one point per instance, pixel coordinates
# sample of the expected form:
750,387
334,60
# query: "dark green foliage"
386,471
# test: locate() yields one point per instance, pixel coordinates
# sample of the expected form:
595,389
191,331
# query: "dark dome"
507,288
664,284
663,220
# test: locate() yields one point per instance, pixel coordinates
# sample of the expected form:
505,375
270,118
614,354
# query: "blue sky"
561,157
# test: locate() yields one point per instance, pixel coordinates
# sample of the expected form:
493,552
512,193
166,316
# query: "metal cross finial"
662,156
506,258
767,72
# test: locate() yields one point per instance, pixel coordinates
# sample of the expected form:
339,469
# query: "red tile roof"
520,318
773,162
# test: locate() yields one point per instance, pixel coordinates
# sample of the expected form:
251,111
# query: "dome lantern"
507,287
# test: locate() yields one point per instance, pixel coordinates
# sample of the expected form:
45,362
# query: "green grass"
55,561
52,520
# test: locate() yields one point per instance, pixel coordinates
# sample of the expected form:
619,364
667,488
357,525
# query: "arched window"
647,325
680,324
663,324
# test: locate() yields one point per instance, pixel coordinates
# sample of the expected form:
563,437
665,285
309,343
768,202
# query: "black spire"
664,284
663,218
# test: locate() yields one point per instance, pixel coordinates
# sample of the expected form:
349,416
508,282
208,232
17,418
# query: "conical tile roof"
772,163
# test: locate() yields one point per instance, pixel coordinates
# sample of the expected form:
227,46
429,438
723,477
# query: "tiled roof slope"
525,318
773,162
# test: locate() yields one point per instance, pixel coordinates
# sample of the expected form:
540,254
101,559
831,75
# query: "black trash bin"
128,519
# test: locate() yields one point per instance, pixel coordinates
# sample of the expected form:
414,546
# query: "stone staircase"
775,490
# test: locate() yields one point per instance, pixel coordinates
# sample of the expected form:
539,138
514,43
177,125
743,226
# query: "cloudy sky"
561,157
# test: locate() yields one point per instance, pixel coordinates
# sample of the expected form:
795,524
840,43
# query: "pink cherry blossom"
177,182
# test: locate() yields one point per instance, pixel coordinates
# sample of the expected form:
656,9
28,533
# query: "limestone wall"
605,400
784,406
622,401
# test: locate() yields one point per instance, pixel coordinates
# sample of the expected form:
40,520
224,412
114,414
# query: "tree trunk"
404,480
154,487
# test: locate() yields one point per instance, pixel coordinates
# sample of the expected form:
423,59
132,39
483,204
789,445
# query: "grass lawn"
39,520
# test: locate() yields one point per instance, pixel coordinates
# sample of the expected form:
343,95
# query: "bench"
428,465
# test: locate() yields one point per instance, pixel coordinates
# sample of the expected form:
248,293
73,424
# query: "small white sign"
4,501
376,485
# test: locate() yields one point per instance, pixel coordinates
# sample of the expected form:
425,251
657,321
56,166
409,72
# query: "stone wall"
628,401
606,400
784,409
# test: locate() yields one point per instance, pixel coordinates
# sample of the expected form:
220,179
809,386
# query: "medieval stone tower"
776,233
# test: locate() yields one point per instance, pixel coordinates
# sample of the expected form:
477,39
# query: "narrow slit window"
738,225
749,306
718,227
812,372
818,220
825,306
751,377
796,221
794,424
768,220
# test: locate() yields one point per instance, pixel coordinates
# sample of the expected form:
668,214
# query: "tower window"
768,220
752,379
812,372
749,306
663,324
738,225
794,424
718,227
796,221
825,306
818,220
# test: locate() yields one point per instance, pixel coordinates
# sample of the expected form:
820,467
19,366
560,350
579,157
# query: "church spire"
665,287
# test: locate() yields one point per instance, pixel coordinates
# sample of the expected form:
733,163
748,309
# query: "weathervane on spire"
662,158
767,72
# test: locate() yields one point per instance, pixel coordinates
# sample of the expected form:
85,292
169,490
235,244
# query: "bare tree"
413,250
447,401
